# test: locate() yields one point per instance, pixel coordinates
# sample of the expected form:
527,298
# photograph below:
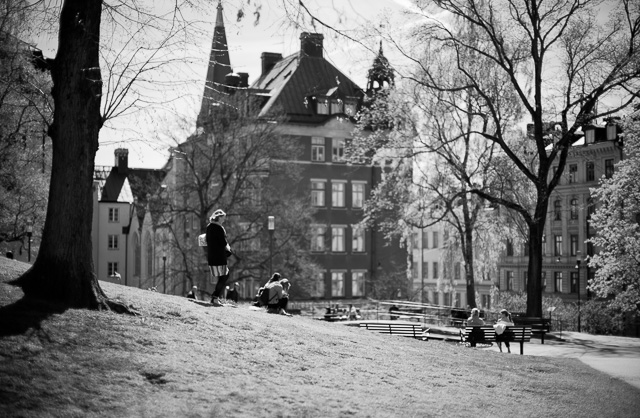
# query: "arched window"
574,208
138,255
557,210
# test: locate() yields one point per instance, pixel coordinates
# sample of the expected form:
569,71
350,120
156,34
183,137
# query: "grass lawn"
180,359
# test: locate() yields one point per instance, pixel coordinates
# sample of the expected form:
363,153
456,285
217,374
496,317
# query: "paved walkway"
619,357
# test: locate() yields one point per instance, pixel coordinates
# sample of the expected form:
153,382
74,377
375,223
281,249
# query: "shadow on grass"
26,314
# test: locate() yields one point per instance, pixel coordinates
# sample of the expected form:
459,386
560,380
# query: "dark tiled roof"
294,82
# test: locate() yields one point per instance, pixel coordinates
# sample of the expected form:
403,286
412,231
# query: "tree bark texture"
63,271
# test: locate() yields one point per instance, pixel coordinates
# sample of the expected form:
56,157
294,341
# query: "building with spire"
317,105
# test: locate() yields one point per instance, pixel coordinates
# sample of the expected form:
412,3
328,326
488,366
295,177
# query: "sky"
173,93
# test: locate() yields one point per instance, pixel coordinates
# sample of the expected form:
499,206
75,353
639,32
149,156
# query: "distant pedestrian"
218,250
193,293
393,310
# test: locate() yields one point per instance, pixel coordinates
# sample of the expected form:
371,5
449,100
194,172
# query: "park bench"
487,334
538,325
405,330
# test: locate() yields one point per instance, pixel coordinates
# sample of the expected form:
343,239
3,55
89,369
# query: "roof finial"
219,21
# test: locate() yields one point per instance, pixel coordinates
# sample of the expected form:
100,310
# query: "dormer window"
350,107
322,106
589,136
611,132
336,106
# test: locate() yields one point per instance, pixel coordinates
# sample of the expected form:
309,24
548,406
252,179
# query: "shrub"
600,317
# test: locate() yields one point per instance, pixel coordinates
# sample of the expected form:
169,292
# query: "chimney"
311,44
269,59
122,160
244,79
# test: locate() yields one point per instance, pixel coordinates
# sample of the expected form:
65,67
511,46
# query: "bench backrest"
488,333
407,330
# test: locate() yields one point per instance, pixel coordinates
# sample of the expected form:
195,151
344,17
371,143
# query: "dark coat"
216,245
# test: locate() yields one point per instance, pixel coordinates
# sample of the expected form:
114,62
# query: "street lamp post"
29,234
164,274
271,226
578,262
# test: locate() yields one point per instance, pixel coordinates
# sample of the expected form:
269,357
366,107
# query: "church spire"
219,67
380,75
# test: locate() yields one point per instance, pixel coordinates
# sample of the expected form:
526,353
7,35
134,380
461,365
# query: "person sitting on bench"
501,329
475,321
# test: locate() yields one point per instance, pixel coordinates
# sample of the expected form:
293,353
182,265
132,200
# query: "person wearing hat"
278,296
218,250
193,293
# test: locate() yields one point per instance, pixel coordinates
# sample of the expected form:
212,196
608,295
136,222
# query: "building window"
435,270
591,171
574,245
357,283
350,107
608,168
525,280
510,280
357,241
485,300
425,239
557,210
317,193
113,242
456,271
336,106
137,267
337,283
357,195
589,136
558,281
557,245
317,148
322,106
337,149
337,239
509,248
414,269
250,240
573,173
435,240
318,237
112,268
573,208
574,282
317,289
425,269
591,208
337,195
114,214
544,281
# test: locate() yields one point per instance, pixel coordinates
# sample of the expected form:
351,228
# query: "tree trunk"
534,282
63,271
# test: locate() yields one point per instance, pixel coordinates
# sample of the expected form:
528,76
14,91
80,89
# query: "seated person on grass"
278,296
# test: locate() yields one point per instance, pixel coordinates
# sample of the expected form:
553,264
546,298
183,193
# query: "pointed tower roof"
380,75
219,67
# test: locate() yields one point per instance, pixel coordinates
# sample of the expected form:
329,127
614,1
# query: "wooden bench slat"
405,330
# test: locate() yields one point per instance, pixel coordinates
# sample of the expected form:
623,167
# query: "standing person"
475,321
193,293
501,329
218,250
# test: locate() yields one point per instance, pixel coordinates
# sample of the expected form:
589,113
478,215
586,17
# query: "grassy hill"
180,359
